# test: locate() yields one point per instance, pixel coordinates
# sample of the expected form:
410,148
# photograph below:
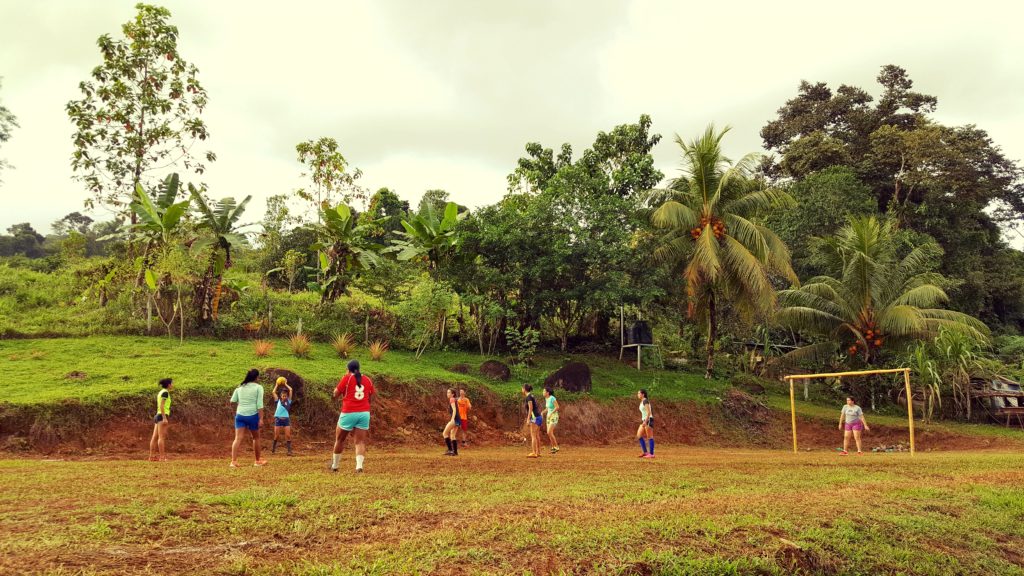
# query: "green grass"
594,510
35,371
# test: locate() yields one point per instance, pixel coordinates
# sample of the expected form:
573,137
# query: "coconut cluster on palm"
879,301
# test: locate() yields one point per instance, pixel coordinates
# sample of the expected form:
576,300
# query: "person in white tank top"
645,433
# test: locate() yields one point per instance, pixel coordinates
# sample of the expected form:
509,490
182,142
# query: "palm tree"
221,225
710,214
879,302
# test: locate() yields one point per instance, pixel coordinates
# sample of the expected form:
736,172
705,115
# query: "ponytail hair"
250,376
353,367
644,392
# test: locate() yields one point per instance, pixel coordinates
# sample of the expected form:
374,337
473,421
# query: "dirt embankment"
415,415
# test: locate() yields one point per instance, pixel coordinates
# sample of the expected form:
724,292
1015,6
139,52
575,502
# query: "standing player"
464,407
551,411
451,429
645,433
161,421
248,415
533,420
282,414
355,391
851,418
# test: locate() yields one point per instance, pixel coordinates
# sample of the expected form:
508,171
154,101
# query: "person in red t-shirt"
355,391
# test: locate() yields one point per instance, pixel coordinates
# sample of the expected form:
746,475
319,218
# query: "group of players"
356,391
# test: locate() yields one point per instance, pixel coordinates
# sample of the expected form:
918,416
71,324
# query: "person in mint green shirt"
161,422
248,415
551,410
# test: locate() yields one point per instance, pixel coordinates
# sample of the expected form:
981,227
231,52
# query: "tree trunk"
712,336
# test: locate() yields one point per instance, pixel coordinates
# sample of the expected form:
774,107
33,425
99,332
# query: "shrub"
343,344
262,348
300,345
377,350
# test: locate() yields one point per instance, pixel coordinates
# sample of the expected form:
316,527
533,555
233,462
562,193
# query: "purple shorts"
856,426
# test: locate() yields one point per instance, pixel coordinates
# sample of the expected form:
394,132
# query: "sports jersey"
166,395
282,408
354,398
464,406
645,409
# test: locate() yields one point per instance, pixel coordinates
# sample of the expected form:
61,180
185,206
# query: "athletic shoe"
859,453
644,455
648,455
332,470
233,465
532,455
555,449
359,470
448,453
259,463
844,453
154,459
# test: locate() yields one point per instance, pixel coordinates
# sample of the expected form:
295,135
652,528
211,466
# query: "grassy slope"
34,370
587,511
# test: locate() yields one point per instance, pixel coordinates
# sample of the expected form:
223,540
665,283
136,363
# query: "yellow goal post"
906,381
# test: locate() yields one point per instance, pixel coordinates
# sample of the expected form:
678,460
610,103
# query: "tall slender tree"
139,113
710,222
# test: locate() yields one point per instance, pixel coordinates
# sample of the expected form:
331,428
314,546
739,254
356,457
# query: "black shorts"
650,422
282,422
158,419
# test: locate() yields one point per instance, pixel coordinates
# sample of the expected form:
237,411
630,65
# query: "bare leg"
287,433
256,443
236,444
846,441
162,438
339,440
551,436
153,441
535,433
856,437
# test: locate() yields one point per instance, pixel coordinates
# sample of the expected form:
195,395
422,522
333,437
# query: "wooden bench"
1011,412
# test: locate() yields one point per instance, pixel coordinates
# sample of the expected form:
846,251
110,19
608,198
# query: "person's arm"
863,421
842,416
558,407
273,393
259,403
339,389
290,395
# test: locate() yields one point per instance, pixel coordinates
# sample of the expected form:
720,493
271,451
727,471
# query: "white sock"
334,461
359,461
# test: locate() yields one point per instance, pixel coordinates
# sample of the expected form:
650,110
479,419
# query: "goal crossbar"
906,382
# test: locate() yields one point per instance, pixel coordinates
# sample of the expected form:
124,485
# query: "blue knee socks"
643,445
652,446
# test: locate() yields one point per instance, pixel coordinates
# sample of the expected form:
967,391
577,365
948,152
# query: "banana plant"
343,250
220,227
429,237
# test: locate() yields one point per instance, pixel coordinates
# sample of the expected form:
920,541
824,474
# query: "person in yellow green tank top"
161,422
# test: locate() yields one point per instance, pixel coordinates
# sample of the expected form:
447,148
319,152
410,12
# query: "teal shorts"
349,420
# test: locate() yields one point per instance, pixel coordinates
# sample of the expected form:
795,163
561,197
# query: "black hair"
353,367
644,392
549,390
852,398
528,388
164,383
452,392
250,376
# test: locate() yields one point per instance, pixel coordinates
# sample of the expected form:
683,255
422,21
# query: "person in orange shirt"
464,407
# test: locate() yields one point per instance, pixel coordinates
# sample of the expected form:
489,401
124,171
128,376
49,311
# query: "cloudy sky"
444,94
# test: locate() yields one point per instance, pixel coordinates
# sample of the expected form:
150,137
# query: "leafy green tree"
24,240
825,201
711,223
952,183
389,210
221,233
327,170
291,267
8,122
73,222
877,303
139,113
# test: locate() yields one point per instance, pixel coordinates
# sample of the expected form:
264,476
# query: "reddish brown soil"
405,417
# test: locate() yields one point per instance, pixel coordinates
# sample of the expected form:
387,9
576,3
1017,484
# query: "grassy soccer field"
592,510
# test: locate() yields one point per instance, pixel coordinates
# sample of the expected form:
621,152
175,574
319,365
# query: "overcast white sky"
445,94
